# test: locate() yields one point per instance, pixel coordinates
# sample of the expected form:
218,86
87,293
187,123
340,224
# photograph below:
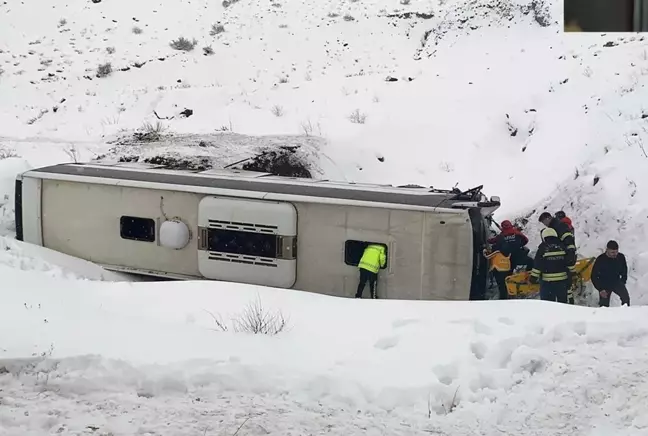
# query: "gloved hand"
533,280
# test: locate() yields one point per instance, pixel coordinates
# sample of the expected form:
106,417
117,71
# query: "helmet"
548,233
560,214
506,224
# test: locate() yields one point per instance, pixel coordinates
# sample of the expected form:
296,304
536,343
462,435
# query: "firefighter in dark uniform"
551,268
566,238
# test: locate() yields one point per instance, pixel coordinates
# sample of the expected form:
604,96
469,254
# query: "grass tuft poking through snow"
183,44
150,132
104,70
357,117
216,29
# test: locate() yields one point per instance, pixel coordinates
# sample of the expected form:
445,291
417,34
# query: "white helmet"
548,233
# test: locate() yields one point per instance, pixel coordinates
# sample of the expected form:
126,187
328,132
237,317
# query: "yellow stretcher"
518,285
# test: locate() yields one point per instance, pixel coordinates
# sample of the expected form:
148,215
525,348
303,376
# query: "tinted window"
137,229
243,243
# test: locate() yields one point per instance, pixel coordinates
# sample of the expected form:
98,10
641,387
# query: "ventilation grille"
247,260
243,227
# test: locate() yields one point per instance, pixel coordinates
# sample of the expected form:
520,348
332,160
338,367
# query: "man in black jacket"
551,268
610,274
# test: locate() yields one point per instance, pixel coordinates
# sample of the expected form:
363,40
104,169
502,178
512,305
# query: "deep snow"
149,359
498,96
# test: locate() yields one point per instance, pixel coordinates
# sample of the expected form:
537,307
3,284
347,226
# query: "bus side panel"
29,225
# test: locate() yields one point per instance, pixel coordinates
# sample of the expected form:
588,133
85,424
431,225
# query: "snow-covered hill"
439,93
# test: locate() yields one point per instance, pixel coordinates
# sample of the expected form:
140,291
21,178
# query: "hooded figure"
551,268
511,242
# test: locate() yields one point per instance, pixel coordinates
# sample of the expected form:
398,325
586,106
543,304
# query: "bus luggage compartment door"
247,241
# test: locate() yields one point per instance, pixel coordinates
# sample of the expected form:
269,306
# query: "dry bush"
357,117
104,70
150,132
110,50
137,30
6,153
183,44
348,17
253,319
216,29
208,50
277,111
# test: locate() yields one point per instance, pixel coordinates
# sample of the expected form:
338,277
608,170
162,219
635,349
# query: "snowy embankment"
150,359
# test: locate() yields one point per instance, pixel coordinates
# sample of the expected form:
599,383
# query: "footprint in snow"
479,349
403,322
386,343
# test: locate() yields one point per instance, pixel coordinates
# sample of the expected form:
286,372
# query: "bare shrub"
308,127
283,26
1,71
357,117
405,2
6,153
104,70
257,320
277,111
62,22
73,153
208,50
183,44
216,29
283,79
253,319
348,17
137,30
333,15
110,50
150,132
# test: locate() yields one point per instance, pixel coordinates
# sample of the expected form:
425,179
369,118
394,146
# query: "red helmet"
506,224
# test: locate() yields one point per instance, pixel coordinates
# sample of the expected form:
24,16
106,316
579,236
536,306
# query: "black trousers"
621,291
367,276
554,291
500,278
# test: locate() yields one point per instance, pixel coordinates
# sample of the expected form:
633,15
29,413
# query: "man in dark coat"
610,274
551,268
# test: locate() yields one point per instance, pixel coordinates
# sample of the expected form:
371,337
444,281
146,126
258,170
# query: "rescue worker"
610,274
551,268
511,241
565,236
562,216
373,258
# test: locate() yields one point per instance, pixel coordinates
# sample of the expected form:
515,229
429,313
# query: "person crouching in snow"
610,274
373,258
551,268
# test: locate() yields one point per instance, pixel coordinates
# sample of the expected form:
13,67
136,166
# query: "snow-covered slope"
127,359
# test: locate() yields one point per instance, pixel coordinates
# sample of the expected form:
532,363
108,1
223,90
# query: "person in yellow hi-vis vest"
373,258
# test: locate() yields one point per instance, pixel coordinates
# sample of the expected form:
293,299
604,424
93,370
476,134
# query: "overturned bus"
257,228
